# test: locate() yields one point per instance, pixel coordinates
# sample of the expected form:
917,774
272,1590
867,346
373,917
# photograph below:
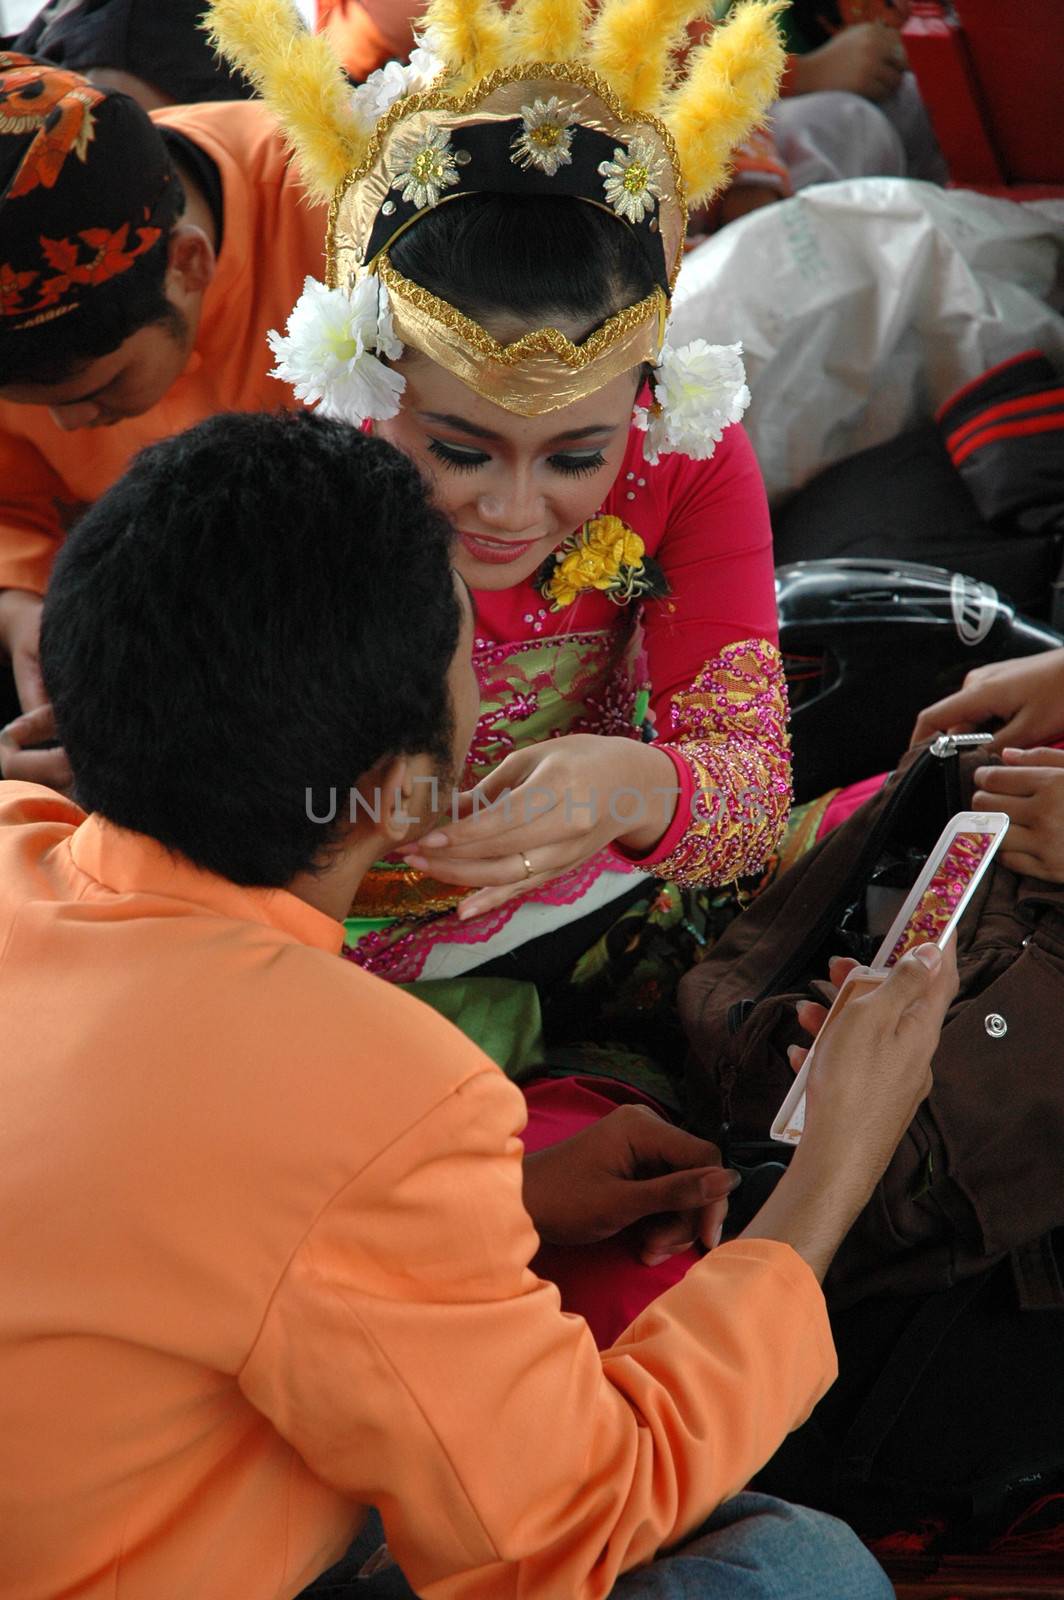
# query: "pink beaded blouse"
700,665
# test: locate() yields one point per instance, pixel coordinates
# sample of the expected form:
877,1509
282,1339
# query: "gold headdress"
544,98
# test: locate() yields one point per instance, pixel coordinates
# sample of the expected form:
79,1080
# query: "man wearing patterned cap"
143,260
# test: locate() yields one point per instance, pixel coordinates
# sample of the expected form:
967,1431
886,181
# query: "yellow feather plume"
632,42
546,30
470,35
731,82
299,78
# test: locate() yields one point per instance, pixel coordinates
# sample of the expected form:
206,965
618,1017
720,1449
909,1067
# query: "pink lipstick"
495,551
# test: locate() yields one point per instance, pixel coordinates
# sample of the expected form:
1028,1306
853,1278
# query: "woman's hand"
28,751
871,1070
1029,788
1025,696
549,808
630,1167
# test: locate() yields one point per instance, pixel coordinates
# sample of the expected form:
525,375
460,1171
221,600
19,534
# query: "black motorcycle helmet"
868,643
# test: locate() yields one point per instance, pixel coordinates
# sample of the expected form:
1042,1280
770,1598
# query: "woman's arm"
719,695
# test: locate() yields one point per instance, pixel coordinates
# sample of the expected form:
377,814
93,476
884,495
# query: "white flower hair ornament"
331,348
371,100
699,390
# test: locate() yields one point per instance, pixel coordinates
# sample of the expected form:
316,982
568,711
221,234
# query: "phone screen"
944,893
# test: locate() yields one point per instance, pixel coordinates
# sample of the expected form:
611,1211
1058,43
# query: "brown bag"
980,1171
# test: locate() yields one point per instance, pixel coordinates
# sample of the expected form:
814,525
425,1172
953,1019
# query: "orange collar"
132,863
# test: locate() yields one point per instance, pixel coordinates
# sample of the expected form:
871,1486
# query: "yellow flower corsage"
605,554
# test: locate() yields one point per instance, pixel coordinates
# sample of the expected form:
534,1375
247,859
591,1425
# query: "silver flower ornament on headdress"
545,141
428,167
633,180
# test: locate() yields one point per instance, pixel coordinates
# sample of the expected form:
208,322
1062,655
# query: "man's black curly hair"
261,606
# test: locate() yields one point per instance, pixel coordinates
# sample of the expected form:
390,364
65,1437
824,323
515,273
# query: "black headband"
483,153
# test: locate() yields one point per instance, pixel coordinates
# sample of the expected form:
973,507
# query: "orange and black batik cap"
87,192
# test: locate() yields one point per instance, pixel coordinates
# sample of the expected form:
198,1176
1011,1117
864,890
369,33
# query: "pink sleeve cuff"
731,752
681,821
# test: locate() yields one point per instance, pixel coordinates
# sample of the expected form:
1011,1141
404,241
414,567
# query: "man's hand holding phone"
870,1072
930,913
895,1023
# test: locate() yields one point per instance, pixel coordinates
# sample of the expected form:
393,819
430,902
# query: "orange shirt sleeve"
31,526
416,1363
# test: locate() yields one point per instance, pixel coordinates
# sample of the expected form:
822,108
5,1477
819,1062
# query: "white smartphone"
930,914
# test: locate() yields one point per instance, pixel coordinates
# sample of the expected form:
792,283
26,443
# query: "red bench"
991,73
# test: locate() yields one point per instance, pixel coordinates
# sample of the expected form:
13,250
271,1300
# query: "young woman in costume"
507,225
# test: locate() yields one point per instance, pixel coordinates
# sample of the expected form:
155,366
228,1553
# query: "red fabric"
605,1283
1037,1531
707,524
1016,52
847,801
670,839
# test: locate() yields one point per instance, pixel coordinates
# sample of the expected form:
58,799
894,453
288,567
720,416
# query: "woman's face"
514,487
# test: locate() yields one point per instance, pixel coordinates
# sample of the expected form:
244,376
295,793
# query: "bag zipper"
947,747
951,744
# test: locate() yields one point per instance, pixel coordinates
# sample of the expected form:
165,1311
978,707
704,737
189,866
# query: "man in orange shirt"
143,262
266,1224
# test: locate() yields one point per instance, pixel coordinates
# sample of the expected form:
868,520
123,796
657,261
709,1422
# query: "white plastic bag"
862,306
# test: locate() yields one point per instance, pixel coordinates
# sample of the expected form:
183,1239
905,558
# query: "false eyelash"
456,460
464,461
578,467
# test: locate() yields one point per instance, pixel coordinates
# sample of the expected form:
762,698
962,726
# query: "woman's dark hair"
263,606
56,350
534,257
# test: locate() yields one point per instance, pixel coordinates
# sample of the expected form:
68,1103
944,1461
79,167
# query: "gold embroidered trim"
543,341
458,107
393,890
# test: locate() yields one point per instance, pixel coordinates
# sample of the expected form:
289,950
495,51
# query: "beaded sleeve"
729,730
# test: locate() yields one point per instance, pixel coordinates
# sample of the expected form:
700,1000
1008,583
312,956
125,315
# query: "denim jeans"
753,1547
